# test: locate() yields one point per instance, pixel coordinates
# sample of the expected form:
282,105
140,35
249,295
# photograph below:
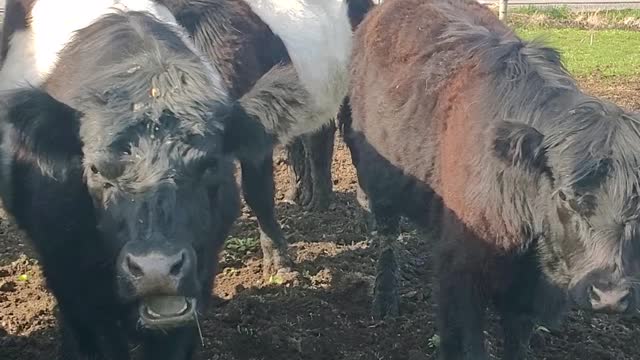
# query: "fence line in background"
502,10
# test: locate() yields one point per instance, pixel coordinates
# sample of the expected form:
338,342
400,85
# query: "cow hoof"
306,197
385,306
278,269
386,299
319,202
291,196
284,275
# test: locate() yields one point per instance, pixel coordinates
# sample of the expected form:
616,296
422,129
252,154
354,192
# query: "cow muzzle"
603,293
162,280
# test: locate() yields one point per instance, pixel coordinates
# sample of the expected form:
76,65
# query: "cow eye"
94,169
562,195
567,199
578,202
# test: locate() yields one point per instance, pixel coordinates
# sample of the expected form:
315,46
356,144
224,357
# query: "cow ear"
244,135
40,129
519,145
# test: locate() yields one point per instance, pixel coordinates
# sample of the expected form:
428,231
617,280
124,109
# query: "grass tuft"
563,16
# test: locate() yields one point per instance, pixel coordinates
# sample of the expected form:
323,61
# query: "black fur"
519,145
42,127
17,21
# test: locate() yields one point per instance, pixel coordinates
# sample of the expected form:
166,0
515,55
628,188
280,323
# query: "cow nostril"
134,269
176,268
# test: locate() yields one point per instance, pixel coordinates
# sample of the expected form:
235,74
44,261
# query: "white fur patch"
318,37
33,53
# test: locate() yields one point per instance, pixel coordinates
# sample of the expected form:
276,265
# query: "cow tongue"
166,306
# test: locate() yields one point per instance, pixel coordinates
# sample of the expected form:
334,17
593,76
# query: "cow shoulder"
318,37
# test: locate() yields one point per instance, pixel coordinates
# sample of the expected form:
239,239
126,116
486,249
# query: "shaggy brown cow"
533,184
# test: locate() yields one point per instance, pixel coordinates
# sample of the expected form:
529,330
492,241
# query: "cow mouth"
167,311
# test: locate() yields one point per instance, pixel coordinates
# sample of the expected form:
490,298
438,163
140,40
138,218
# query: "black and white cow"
119,123
309,157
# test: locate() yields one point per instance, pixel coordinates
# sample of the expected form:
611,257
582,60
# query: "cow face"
591,241
153,174
154,186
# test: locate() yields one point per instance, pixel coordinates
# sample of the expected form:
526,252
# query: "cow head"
154,166
154,178
588,166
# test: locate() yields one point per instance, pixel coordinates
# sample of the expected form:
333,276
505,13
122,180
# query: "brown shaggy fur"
420,77
529,182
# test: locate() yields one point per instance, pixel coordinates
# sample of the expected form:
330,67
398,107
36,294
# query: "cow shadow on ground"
38,345
325,312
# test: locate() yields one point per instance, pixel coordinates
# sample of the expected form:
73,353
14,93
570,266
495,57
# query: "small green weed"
236,249
434,342
242,245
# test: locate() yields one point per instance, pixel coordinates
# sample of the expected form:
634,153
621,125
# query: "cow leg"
299,173
319,153
89,340
461,299
461,318
365,216
258,187
178,344
517,333
343,124
517,307
309,159
78,341
386,300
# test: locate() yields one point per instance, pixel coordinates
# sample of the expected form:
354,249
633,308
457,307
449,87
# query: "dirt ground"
325,313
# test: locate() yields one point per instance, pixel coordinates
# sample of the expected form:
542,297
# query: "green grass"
585,52
564,12
617,15
555,12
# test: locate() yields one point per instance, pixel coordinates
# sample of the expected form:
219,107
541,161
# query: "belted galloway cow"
119,124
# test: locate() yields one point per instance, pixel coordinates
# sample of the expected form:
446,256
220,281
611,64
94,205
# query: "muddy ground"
325,313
